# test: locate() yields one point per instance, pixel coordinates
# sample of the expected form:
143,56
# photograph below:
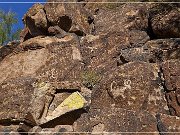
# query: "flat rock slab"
15,98
122,120
134,86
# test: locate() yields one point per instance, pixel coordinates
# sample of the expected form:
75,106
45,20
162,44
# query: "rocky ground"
93,67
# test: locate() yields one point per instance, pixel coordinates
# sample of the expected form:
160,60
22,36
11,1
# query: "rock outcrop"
93,67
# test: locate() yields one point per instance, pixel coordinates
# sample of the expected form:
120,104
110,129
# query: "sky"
19,8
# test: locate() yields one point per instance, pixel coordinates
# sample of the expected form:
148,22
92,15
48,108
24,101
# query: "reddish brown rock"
128,16
35,53
102,52
121,120
35,21
172,80
7,49
56,30
24,35
165,21
70,17
171,74
29,79
13,108
133,79
153,51
134,86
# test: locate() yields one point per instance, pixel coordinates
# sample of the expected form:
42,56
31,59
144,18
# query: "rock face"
89,67
35,20
69,17
166,24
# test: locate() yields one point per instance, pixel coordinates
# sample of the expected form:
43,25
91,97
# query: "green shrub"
90,79
7,21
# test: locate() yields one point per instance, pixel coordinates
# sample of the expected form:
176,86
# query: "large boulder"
102,52
39,69
122,18
172,84
35,20
71,17
134,86
165,21
36,57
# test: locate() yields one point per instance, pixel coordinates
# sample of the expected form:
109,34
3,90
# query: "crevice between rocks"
66,90
65,23
149,30
66,119
162,82
8,122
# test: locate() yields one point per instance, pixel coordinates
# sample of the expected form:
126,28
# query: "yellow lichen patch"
74,101
40,85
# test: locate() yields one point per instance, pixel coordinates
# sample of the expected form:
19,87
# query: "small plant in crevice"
90,79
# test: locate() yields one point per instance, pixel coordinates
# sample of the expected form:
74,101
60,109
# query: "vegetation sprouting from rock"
90,79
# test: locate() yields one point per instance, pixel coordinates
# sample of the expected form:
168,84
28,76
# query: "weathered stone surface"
9,129
22,64
102,52
35,130
122,120
61,62
6,50
13,108
165,22
24,35
58,99
172,84
103,73
171,122
70,17
153,51
35,20
74,102
40,53
128,16
67,85
56,30
133,86
63,128
27,77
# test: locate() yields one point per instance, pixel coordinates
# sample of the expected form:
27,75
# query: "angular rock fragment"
70,17
35,20
166,21
74,102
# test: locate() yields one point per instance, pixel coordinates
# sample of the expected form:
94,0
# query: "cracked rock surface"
91,67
